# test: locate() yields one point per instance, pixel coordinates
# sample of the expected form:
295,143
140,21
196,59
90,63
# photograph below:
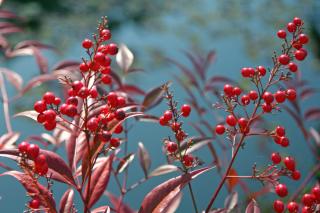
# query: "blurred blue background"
242,33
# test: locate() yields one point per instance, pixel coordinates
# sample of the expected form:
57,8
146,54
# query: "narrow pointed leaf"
124,163
253,207
144,158
163,169
124,57
99,181
160,194
66,202
153,97
118,204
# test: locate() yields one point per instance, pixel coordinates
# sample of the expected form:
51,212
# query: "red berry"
172,147
121,101
40,106
281,190
268,97
291,94
118,129
228,90
63,108
175,126
291,27
50,125
187,160
282,34
292,67
261,70
77,85
167,115
277,139
93,92
163,121
84,67
105,136
110,116
50,115
308,199
106,70
237,91
120,114
57,101
247,72
300,54
245,100
112,98
303,38
114,142
306,209
105,34
290,163
220,129
106,79
278,206
33,151
316,192
185,109
93,124
280,131
112,49
87,43
276,158
34,204
49,97
284,59
41,118
40,160
243,122
253,95
71,92
293,207
23,147
297,21
280,96
231,120
296,175
41,169
71,110
94,66
99,57
266,107
284,141
83,92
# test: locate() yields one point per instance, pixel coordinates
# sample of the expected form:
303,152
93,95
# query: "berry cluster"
308,201
264,101
38,167
32,152
170,118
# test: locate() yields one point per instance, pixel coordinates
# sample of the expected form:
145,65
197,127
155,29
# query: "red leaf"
33,43
34,189
14,78
101,209
66,202
119,206
253,207
307,92
66,65
8,14
312,114
7,140
153,97
132,89
41,60
170,203
298,120
160,193
99,181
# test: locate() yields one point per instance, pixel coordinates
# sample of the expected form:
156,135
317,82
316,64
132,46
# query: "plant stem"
193,198
5,104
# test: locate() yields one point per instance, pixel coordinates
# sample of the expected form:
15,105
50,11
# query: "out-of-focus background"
241,32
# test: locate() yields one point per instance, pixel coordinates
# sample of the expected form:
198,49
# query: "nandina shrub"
92,117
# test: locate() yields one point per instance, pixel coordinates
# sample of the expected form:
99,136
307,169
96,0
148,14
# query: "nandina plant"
94,116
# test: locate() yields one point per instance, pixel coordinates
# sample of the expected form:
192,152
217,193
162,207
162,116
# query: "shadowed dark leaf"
153,97
312,114
118,204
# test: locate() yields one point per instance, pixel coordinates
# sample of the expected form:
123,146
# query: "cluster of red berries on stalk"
40,166
308,201
170,118
262,98
95,70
